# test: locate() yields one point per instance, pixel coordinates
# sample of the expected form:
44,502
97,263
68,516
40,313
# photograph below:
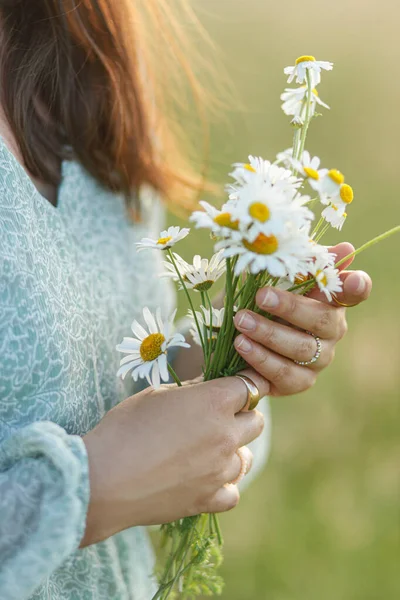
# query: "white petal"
139,330
150,321
163,366
131,358
155,376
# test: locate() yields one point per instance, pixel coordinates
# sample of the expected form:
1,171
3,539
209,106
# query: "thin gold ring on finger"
306,363
244,467
342,303
253,393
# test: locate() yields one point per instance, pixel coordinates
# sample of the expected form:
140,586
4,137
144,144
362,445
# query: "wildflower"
284,253
304,64
309,168
168,238
220,222
261,171
330,184
294,101
200,275
335,215
328,281
147,352
204,320
262,208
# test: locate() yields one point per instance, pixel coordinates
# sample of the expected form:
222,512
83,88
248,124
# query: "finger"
284,340
239,466
230,392
226,498
340,251
357,286
285,376
310,315
250,425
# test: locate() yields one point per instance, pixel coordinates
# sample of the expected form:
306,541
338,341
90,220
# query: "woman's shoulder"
16,188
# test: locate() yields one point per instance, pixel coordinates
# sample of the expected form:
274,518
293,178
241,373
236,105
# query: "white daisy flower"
304,64
309,168
294,101
203,318
262,171
147,352
200,275
282,254
328,281
218,221
329,185
285,158
335,215
262,208
168,238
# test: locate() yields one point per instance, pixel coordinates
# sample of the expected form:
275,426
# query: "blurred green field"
323,521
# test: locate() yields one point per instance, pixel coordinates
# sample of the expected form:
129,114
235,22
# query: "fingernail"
362,284
270,299
246,321
243,344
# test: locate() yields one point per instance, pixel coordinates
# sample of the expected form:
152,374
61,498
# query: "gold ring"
342,303
253,394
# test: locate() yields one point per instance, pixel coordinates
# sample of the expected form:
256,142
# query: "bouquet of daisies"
268,233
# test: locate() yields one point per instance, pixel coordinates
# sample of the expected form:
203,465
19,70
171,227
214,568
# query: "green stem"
375,240
304,129
171,256
217,529
174,376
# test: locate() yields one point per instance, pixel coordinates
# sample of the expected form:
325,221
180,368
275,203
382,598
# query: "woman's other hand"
169,453
271,347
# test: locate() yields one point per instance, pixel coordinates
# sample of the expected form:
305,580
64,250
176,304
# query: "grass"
322,522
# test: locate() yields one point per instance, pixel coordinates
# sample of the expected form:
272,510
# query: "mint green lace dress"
70,285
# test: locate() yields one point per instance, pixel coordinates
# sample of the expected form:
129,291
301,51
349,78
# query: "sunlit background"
323,520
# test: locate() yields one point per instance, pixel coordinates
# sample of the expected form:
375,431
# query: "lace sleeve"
44,493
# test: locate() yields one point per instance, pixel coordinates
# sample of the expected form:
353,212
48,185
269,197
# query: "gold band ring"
244,467
253,394
342,303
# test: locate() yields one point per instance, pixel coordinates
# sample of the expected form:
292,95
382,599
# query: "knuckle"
268,333
283,373
228,443
324,322
290,304
306,348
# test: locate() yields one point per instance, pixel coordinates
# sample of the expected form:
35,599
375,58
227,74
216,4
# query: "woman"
79,138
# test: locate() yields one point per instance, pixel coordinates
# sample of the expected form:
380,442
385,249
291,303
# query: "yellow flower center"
203,286
302,278
224,220
336,176
263,244
249,168
323,279
315,92
305,59
311,173
150,348
334,207
259,211
163,241
346,193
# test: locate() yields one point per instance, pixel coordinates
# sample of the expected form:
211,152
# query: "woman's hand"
167,454
271,347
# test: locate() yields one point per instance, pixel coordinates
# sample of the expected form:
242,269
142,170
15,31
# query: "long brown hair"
80,76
